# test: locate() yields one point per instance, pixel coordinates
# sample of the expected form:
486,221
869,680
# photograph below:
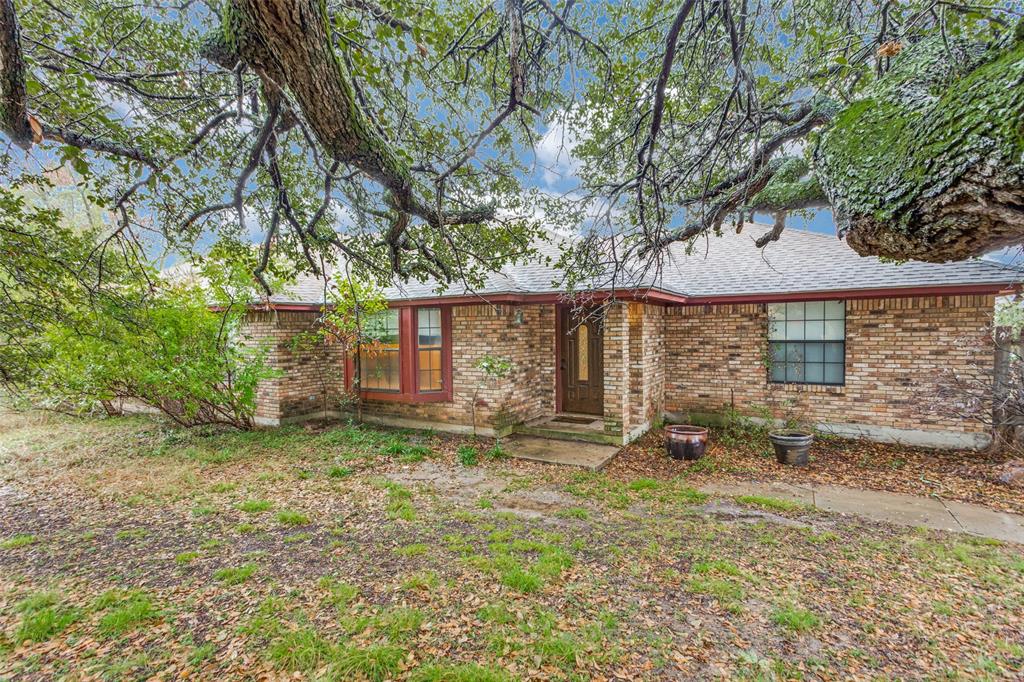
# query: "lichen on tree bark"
929,164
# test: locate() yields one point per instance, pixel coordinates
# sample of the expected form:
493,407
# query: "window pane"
814,372
430,370
428,355
833,373
794,352
835,330
776,311
815,310
383,327
794,311
583,353
429,327
835,310
379,359
795,330
776,329
795,372
834,352
779,371
814,352
379,370
815,330
778,352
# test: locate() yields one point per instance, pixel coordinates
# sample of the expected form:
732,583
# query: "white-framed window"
807,342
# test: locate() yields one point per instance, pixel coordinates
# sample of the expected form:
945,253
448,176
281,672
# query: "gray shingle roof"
729,265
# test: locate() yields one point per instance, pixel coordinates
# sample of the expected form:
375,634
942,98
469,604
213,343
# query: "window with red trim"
408,355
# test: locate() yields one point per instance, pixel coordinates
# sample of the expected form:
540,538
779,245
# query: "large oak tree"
399,132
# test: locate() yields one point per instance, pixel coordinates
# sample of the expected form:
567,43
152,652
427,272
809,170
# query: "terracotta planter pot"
791,447
686,442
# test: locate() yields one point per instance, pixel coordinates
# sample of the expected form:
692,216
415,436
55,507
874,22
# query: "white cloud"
555,153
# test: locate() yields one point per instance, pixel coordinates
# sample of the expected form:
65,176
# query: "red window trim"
408,361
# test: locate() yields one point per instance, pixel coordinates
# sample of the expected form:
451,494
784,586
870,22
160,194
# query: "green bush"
468,455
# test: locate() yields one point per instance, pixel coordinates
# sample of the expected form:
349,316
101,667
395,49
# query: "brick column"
616,369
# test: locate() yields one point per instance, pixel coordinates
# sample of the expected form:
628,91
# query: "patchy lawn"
133,550
742,452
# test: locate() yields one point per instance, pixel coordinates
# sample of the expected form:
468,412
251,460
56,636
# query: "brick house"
806,328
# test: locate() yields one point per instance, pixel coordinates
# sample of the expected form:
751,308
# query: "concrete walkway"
904,510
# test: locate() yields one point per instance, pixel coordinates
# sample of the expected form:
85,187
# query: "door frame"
559,331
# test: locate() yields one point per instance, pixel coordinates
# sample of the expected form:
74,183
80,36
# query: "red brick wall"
894,347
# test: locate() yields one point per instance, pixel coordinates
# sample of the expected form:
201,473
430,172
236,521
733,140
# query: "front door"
582,364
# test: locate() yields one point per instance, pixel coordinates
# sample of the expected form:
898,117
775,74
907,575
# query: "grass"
292,518
340,472
235,575
254,506
43,616
125,613
465,672
300,650
770,503
467,590
377,662
399,505
16,541
521,580
795,619
467,455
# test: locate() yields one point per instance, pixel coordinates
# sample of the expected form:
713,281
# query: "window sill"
806,388
387,397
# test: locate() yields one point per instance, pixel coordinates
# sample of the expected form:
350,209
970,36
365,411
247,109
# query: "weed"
573,513
43,617
340,594
340,472
235,575
16,541
131,534
465,672
467,455
400,622
521,580
497,452
376,662
485,503
642,484
254,506
202,654
292,518
795,619
415,549
770,503
497,614
298,537
186,557
421,581
299,650
126,612
247,528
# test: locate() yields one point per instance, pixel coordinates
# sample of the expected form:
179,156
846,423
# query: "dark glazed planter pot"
686,442
791,447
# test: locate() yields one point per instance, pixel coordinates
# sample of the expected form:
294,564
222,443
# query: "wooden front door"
582,364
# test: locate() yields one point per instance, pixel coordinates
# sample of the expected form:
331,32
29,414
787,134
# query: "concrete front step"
547,431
